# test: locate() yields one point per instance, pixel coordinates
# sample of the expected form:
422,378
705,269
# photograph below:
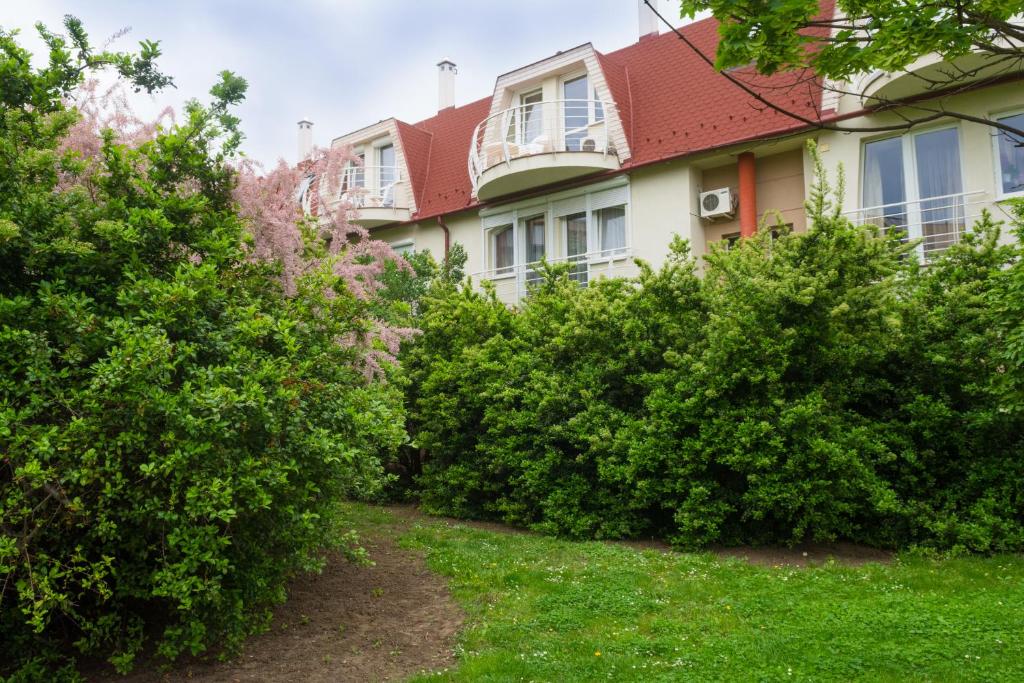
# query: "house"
596,158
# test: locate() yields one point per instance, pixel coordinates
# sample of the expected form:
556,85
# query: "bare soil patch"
350,623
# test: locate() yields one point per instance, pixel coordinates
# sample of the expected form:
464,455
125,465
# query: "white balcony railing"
939,222
514,281
371,186
540,128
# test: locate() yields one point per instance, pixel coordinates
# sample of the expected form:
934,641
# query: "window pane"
576,112
534,239
386,174
1011,156
532,117
503,249
576,245
883,183
937,155
612,223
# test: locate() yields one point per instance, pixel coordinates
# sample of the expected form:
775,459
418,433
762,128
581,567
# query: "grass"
542,609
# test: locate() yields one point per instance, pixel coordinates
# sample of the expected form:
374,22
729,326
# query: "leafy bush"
174,430
809,386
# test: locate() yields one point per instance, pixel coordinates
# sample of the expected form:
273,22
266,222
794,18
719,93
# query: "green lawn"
542,609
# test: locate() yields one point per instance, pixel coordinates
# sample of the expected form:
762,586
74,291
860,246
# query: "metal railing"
540,128
516,280
370,186
939,222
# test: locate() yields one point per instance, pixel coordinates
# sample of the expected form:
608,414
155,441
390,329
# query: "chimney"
647,18
446,83
305,139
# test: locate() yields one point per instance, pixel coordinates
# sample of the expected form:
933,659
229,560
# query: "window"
527,121
534,229
403,247
502,248
386,175
576,115
731,239
575,227
354,174
611,227
915,183
1010,150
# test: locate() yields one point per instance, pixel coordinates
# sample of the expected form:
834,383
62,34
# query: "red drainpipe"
748,194
447,235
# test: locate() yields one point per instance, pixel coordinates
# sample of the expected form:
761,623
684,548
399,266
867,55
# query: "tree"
861,36
175,424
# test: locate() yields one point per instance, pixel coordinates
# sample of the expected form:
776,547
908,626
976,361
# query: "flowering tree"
175,421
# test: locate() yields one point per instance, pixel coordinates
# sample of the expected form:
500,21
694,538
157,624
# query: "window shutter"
616,196
567,207
495,220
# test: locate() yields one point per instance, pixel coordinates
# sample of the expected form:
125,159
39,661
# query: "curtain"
937,156
613,230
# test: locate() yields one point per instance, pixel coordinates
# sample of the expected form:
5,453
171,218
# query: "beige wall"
663,204
780,191
977,155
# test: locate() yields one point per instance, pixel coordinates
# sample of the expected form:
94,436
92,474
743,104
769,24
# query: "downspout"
447,235
748,194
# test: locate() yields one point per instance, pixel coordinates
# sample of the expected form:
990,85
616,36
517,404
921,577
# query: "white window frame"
495,219
490,255
911,187
997,161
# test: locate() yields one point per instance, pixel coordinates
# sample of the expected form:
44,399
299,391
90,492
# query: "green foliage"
174,431
887,35
808,387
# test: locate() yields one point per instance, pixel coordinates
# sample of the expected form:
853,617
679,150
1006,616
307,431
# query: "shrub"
810,386
174,429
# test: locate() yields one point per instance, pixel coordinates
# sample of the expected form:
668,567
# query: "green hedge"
810,386
174,431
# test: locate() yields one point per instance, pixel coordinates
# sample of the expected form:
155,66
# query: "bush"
174,429
809,386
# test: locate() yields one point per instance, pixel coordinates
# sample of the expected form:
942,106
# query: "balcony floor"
537,170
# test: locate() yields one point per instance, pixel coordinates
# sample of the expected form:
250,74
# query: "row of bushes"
175,431
810,386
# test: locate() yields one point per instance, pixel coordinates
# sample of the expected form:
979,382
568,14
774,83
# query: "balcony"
378,195
540,143
939,222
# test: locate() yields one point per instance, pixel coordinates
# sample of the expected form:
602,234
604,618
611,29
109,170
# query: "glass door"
939,188
575,113
386,174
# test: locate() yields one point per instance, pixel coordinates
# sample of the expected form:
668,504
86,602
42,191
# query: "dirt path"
350,623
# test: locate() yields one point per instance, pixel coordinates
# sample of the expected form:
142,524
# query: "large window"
534,229
611,226
386,176
527,121
503,249
1010,149
576,112
914,183
575,236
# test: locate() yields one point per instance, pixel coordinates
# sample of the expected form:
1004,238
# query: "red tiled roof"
670,101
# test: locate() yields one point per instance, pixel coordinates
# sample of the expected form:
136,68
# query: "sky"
343,63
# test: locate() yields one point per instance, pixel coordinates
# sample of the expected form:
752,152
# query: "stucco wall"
977,155
780,188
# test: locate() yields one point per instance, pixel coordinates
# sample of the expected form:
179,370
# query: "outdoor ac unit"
717,203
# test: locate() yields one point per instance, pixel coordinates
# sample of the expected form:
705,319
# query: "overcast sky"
343,63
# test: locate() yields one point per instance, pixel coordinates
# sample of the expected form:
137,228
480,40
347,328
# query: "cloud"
343,63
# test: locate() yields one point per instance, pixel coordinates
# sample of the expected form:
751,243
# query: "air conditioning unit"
718,203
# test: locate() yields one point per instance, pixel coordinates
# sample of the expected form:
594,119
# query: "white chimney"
305,139
647,18
446,83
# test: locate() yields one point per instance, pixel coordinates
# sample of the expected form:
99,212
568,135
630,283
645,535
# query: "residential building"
598,158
